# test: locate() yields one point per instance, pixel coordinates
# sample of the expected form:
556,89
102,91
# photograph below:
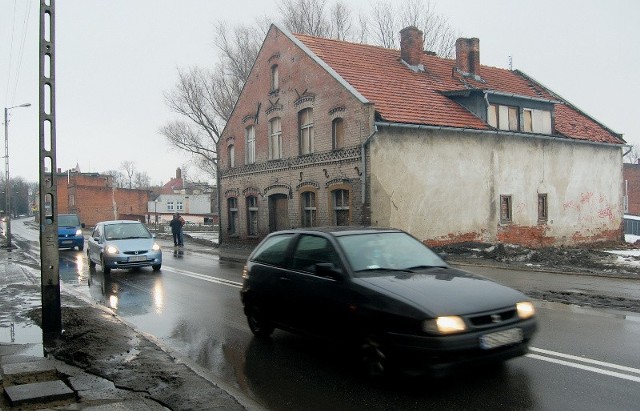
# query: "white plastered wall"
441,185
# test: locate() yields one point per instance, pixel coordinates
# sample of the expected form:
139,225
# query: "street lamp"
7,196
155,208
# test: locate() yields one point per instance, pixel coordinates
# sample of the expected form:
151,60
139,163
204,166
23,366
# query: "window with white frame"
232,212
179,206
252,215
341,207
308,203
305,123
275,78
250,139
169,205
275,139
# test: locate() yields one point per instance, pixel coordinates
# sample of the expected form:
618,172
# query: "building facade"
328,132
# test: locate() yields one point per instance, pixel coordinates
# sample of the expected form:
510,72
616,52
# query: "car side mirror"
329,270
153,235
82,225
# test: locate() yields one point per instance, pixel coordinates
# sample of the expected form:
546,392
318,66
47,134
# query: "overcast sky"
115,58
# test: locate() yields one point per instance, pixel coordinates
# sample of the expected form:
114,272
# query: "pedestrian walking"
176,229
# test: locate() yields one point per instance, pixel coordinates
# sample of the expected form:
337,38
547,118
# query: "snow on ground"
629,257
204,235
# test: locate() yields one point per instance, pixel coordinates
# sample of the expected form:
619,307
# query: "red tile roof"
401,95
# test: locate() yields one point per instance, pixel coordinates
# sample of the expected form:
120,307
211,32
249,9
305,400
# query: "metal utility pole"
7,188
49,262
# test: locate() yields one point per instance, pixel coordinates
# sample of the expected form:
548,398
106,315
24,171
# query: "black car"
388,294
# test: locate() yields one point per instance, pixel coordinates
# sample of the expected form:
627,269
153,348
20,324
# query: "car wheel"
105,269
373,358
259,323
156,267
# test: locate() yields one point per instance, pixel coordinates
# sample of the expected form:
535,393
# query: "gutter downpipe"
364,162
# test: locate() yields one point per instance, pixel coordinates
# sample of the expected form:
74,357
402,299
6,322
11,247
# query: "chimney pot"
411,45
468,55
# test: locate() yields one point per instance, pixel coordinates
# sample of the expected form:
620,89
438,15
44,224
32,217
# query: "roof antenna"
510,63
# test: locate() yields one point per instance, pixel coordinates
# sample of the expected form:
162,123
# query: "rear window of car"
273,250
125,231
68,220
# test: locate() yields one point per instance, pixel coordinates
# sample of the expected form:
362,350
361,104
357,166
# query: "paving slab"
29,372
38,392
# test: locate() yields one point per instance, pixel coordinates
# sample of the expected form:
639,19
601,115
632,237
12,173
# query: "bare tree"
117,178
204,99
129,168
142,181
633,156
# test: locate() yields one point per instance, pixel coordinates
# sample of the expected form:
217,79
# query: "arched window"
305,124
275,139
252,216
308,208
337,133
275,81
250,139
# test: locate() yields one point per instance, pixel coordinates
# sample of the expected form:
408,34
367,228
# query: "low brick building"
94,198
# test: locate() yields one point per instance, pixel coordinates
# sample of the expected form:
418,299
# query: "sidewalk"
129,372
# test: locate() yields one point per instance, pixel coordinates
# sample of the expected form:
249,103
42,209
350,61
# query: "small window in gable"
275,139
337,133
543,211
275,81
250,145
305,126
231,156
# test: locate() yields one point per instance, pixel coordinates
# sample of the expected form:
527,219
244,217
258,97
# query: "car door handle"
285,279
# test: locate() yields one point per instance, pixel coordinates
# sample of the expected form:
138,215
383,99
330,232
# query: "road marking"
565,362
208,278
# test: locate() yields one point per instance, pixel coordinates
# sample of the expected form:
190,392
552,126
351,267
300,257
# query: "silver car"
123,244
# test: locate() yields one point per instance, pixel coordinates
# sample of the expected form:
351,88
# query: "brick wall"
302,84
94,200
631,177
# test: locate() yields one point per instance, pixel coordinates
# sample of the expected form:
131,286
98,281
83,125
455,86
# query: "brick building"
94,198
631,175
329,132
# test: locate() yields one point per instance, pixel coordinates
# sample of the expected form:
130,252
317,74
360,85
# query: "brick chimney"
411,45
468,55
178,173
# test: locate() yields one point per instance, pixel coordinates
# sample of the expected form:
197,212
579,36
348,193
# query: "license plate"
138,258
67,241
500,338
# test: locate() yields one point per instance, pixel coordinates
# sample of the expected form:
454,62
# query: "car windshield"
380,252
68,220
125,231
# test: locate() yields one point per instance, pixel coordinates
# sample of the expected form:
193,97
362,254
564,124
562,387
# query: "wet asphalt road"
581,358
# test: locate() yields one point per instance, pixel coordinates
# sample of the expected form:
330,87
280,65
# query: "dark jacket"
176,225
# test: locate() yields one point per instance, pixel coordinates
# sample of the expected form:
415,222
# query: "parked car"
123,244
70,231
385,293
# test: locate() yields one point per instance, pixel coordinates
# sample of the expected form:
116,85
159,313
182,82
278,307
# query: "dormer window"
511,118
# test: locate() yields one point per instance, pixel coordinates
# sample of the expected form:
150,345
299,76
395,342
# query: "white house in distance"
195,203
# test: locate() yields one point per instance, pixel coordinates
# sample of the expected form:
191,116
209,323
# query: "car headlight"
525,310
111,249
78,233
155,247
245,272
444,325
